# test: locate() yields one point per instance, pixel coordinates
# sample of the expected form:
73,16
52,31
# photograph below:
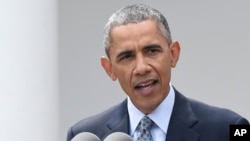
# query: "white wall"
28,71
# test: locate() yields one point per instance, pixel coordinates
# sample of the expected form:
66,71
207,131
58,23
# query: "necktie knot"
144,131
146,123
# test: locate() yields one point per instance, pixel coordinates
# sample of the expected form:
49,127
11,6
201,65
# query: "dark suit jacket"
190,121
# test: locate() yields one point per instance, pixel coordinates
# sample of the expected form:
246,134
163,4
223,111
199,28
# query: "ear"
106,64
175,53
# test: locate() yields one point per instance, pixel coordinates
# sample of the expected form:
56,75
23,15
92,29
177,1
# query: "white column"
28,70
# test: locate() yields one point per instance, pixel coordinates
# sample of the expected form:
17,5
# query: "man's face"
141,60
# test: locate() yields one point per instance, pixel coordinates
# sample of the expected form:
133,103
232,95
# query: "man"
140,55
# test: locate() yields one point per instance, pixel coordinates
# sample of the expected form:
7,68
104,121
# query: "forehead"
135,34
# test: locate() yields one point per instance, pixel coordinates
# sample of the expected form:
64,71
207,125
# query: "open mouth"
144,85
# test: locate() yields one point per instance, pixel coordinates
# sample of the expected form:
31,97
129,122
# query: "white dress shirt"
161,116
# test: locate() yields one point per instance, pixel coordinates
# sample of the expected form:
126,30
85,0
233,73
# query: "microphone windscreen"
86,136
118,136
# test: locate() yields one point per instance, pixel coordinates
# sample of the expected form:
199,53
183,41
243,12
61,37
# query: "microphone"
118,136
85,136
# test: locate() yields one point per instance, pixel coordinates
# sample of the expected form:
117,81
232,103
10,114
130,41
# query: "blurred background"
50,72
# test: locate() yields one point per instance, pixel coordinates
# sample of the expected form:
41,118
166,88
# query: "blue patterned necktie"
144,129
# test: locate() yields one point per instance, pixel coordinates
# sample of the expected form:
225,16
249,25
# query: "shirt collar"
160,116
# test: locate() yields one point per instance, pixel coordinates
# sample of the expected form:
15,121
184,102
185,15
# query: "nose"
141,66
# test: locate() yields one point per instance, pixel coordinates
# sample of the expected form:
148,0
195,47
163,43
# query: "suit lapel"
182,121
119,121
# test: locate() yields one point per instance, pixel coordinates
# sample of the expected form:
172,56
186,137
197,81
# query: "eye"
153,50
125,56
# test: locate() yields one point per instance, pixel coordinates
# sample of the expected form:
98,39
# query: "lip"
147,87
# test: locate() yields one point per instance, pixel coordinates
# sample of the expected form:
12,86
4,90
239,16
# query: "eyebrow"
152,46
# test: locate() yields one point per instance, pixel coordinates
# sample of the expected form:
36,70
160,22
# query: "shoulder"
208,113
210,122
88,124
96,124
214,122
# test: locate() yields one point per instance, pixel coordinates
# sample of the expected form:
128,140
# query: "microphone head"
85,136
118,136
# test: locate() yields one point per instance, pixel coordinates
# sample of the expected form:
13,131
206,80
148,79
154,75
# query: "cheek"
123,76
125,85
162,64
162,67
